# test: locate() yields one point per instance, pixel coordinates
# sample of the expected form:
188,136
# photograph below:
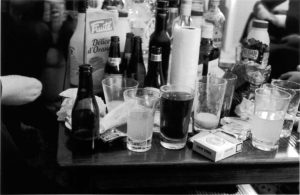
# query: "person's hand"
291,76
292,40
19,90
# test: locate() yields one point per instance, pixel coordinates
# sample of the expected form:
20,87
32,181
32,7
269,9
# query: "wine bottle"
127,53
114,57
160,37
136,69
206,47
155,77
85,113
172,15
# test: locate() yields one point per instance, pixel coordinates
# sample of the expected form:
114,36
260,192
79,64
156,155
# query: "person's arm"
19,90
291,76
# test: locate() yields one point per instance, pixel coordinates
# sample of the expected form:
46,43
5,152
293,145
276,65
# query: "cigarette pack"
217,145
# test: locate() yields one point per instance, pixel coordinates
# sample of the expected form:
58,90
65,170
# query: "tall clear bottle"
160,37
77,44
216,17
198,8
127,53
114,57
136,69
155,77
184,19
206,47
85,113
173,14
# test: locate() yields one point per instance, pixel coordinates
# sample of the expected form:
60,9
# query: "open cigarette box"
216,145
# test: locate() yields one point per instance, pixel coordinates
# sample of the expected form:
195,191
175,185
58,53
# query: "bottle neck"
85,88
137,54
214,7
185,9
128,45
114,51
161,21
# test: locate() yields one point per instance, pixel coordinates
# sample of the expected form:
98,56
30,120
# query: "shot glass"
230,87
270,108
292,110
175,112
140,118
114,87
208,102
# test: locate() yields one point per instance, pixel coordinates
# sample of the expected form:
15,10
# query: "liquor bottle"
197,12
160,37
77,54
127,54
114,57
184,19
173,14
155,77
85,113
206,47
136,69
216,17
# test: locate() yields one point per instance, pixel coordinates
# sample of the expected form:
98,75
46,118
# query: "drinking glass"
208,102
293,106
230,87
175,112
270,107
114,87
140,118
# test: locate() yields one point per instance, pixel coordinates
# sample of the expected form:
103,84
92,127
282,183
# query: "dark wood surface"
159,167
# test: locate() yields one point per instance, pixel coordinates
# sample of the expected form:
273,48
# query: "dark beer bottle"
127,53
136,69
160,37
85,113
206,47
114,57
155,77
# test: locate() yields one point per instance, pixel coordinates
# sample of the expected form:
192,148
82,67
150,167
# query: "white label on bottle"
114,62
155,58
103,25
265,59
251,54
217,37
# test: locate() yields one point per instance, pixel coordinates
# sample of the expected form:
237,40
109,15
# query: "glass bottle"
85,113
216,17
114,57
173,14
184,19
206,47
155,77
127,53
198,7
136,69
77,44
160,37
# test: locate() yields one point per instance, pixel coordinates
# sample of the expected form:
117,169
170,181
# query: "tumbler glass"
230,87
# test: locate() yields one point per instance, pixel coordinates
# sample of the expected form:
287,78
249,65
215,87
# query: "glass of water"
271,104
294,89
140,118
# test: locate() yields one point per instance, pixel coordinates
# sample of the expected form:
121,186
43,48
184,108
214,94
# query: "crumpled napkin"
69,95
237,127
245,109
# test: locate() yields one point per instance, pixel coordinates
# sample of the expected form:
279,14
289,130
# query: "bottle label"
155,58
114,62
103,25
250,54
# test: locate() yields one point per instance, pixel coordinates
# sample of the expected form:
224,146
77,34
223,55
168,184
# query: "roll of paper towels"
184,56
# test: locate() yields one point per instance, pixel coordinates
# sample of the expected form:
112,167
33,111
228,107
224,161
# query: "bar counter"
118,167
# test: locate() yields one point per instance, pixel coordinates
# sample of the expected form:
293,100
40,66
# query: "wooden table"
159,167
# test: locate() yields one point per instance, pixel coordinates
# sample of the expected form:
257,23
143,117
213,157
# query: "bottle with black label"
136,69
155,77
85,113
114,57
127,53
160,37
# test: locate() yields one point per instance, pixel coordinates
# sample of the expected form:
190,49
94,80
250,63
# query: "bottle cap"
162,4
207,30
155,50
114,39
260,24
137,39
85,67
129,34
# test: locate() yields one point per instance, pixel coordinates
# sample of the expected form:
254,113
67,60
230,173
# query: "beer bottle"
206,47
127,53
154,77
136,69
85,113
114,57
160,37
